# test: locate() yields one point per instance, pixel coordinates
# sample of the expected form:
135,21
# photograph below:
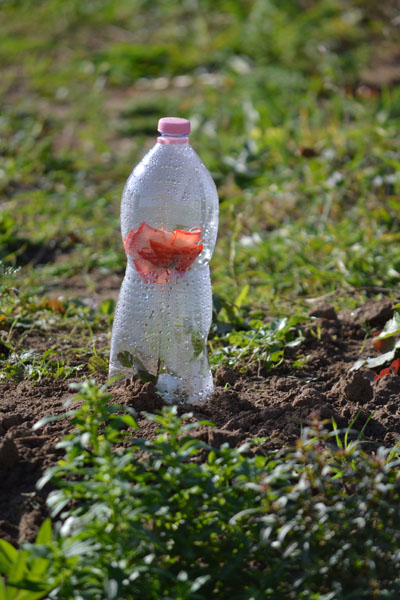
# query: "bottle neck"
167,138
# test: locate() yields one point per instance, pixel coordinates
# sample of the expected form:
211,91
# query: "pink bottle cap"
174,126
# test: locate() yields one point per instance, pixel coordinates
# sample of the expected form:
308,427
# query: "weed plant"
175,518
262,345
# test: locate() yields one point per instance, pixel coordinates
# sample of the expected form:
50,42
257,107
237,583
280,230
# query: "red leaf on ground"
395,366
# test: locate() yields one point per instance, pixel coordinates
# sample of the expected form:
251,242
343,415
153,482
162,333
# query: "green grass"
304,157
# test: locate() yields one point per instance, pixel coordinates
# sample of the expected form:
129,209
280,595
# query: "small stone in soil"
308,397
324,312
217,437
354,387
373,313
224,375
8,454
11,421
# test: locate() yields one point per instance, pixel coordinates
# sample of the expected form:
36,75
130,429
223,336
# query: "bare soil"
274,404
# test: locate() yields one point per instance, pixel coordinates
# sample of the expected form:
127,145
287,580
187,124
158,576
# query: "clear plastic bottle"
169,222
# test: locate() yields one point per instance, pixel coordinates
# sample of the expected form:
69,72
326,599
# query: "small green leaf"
358,364
78,548
129,420
8,555
242,296
112,589
18,568
44,533
45,420
128,360
198,343
142,372
391,328
280,325
98,364
107,306
379,361
145,376
125,358
3,593
26,590
199,582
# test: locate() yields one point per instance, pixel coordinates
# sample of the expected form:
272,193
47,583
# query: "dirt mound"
275,406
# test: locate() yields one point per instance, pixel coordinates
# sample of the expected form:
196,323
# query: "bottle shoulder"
171,162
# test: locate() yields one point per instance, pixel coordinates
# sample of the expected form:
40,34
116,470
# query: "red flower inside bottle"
161,255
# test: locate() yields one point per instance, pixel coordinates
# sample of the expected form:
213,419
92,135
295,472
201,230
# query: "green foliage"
23,315
34,365
272,89
26,570
174,518
136,366
263,344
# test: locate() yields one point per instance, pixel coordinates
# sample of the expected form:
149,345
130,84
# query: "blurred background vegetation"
295,107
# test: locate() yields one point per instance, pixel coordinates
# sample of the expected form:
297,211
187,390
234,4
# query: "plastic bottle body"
169,221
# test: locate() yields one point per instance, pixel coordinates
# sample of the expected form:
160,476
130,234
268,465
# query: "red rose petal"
167,255
139,238
186,238
146,270
129,242
188,257
149,255
160,254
